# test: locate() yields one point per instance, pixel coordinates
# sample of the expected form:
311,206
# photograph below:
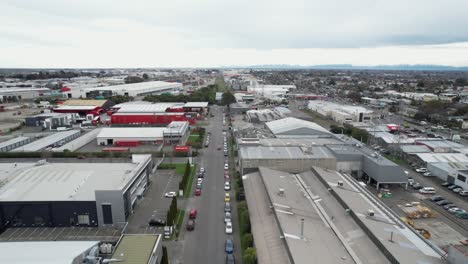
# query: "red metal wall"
160,119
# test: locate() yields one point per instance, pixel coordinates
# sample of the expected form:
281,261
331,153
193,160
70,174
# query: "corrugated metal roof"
442,157
291,123
148,108
196,104
47,141
12,141
99,103
137,86
415,149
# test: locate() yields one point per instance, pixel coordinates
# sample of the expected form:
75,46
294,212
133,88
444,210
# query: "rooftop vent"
41,162
340,183
370,213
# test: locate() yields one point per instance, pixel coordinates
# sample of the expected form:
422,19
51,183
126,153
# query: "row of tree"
205,94
185,179
249,255
172,213
357,133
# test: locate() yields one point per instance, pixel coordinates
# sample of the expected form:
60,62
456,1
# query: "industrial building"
293,127
132,89
17,93
82,107
341,113
175,132
44,194
310,217
54,140
50,120
272,92
263,115
79,142
14,143
51,252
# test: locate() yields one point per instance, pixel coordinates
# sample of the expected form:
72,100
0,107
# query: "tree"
228,98
145,76
355,96
118,99
250,256
247,240
133,79
165,258
420,84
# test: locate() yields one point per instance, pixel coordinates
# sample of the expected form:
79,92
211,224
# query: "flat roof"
78,102
80,141
46,141
51,252
196,104
291,123
148,108
319,243
442,157
440,144
319,141
12,141
76,107
63,181
415,149
407,247
156,85
257,152
131,132
135,249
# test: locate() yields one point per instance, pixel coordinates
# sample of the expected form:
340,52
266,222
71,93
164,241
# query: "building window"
83,219
38,220
107,214
461,178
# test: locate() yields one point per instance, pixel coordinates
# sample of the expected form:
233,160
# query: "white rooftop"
46,141
63,181
50,252
291,123
442,157
132,132
137,86
12,141
196,104
75,107
150,108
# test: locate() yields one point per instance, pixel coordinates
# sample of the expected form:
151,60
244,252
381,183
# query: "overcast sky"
210,33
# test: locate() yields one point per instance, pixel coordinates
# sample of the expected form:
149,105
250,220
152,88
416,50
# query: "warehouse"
439,146
14,143
176,133
149,119
54,140
341,113
132,89
290,127
288,159
71,194
130,136
16,93
50,120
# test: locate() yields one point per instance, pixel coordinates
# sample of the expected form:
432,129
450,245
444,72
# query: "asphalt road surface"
206,243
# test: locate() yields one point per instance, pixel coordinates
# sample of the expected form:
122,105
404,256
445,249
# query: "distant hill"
416,67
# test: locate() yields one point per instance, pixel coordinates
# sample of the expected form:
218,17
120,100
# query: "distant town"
234,165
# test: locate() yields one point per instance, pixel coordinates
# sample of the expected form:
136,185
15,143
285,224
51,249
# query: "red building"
150,118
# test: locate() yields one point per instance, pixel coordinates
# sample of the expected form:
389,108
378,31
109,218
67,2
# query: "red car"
219,147
193,214
197,192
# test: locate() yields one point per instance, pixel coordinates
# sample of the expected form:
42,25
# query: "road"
206,243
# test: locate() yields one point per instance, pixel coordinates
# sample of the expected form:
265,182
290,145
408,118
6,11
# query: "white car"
427,173
228,228
227,186
200,180
170,194
202,169
226,166
421,170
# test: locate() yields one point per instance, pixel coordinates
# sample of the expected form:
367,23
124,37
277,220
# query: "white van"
427,190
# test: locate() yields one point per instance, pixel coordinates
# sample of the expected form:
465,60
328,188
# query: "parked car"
230,259
443,202
200,180
450,205
227,186
227,207
427,173
193,214
417,186
229,246
421,170
455,210
227,197
463,193
197,192
228,228
427,190
457,190
436,198
227,217
190,225
226,166
463,215
156,222
170,194
202,170
410,182
445,184
451,187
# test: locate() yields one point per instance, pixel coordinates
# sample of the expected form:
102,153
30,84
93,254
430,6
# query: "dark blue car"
229,246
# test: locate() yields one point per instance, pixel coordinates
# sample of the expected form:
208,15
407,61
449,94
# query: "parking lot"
61,233
154,204
94,147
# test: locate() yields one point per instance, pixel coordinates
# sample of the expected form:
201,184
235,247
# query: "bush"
249,256
165,166
247,240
